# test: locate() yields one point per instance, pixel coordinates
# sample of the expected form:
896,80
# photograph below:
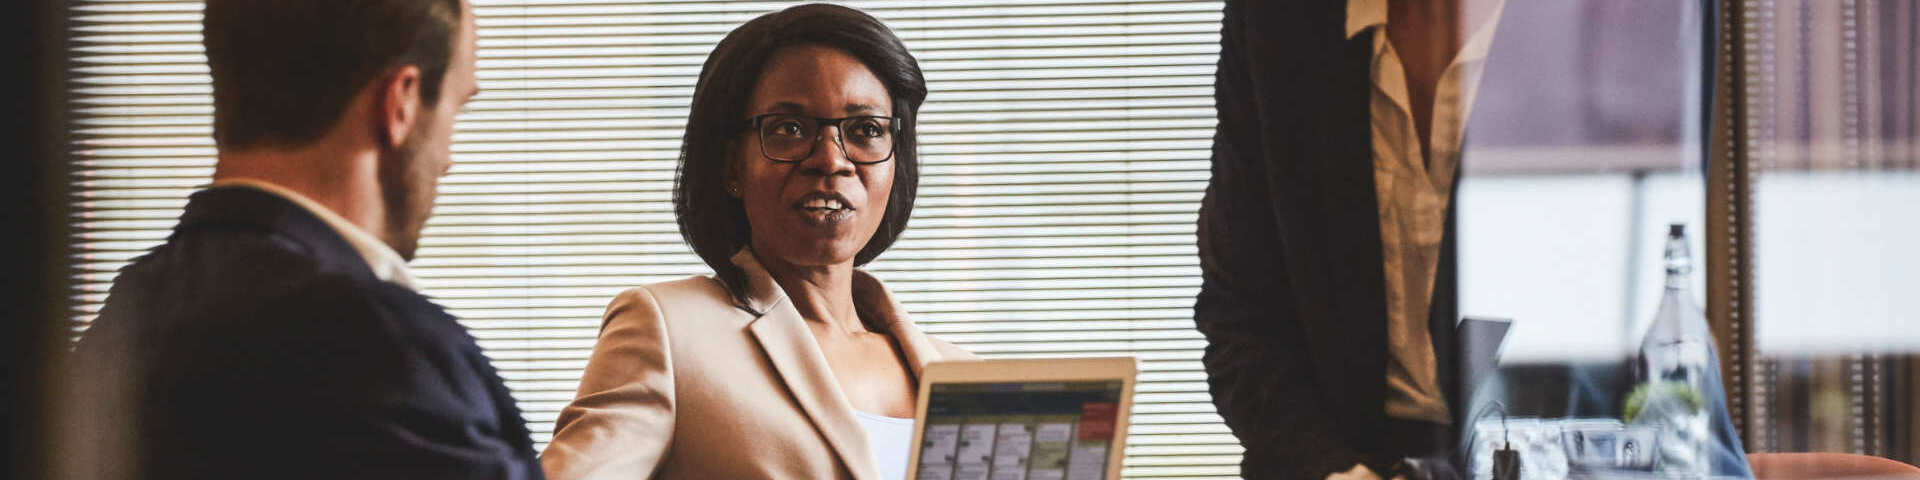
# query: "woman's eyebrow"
786,107
863,108
851,108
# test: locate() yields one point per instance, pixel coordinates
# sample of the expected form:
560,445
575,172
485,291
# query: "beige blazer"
682,384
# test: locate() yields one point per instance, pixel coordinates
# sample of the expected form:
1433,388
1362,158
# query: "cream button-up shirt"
387,265
1413,192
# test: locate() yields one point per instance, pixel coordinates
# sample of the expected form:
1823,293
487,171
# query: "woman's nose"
828,157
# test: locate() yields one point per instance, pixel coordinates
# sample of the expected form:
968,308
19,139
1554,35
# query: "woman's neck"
820,293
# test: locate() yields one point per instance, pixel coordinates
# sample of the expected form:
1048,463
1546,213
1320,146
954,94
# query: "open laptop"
1024,419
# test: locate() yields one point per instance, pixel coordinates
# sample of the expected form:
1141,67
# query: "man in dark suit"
276,333
1325,236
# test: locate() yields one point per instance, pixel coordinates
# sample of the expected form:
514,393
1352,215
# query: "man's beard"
408,185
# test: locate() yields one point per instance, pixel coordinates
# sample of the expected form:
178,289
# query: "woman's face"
821,209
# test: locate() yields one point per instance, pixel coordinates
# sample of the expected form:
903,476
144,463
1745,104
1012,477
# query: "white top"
387,265
1413,192
891,440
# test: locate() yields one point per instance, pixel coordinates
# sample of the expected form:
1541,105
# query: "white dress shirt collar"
386,264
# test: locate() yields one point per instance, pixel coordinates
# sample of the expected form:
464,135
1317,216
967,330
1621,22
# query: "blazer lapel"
801,366
782,334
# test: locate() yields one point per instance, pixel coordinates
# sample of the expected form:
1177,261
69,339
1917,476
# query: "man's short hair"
285,70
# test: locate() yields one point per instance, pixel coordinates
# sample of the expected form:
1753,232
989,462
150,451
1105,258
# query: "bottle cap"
1676,230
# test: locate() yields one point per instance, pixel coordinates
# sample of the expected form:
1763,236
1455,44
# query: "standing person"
1328,297
277,332
789,362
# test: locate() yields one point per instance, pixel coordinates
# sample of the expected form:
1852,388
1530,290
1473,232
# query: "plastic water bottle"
1675,371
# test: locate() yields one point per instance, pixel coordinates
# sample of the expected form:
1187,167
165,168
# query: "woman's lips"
824,208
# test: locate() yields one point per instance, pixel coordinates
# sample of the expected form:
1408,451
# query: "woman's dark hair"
715,223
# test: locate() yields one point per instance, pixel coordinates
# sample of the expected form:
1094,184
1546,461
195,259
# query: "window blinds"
1064,154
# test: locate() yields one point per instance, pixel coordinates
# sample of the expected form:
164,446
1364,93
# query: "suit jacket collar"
248,209
385,263
790,346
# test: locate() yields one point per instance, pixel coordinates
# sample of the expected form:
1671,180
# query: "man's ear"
397,104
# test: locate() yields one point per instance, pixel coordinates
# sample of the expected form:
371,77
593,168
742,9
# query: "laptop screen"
1029,430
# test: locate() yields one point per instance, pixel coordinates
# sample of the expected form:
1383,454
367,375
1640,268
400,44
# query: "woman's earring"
734,189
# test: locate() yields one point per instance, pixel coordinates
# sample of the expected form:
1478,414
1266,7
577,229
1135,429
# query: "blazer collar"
242,208
790,346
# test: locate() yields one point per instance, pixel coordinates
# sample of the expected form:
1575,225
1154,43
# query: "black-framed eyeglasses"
786,137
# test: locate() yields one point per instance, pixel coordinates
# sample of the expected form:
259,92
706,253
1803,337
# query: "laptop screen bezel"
1045,370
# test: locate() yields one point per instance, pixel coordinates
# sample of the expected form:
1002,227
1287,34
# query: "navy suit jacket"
1292,300
256,343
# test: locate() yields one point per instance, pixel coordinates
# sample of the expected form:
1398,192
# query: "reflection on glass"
1583,147
1586,145
1831,116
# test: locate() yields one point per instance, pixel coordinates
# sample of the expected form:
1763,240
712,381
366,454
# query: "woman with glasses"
798,165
